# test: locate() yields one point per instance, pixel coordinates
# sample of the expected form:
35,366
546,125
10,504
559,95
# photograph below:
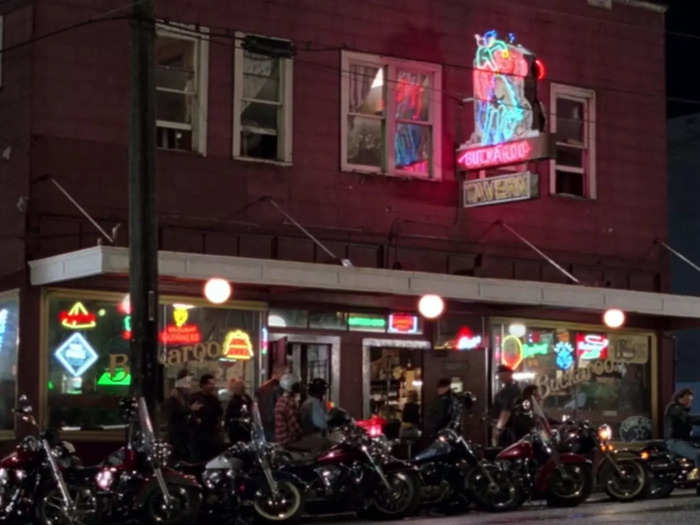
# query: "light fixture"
431,306
516,329
217,290
614,318
524,376
276,320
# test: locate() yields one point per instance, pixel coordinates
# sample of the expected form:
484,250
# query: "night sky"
682,56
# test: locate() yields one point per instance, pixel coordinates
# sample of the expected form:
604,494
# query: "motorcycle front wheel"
569,485
401,500
287,505
493,489
183,507
625,485
50,509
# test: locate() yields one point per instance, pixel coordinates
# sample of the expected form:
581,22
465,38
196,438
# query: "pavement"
683,506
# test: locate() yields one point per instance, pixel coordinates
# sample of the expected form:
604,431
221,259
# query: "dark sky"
683,56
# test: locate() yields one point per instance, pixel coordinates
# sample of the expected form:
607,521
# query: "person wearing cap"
503,407
287,426
441,409
178,411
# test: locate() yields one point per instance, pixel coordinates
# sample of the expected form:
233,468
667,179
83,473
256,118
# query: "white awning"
112,260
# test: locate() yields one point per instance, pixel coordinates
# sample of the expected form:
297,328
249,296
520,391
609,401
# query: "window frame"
588,98
286,79
198,127
390,65
14,293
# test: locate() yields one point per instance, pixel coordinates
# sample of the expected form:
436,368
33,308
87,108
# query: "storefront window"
88,352
585,374
327,320
9,338
283,318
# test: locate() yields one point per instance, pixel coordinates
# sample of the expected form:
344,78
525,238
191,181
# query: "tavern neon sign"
180,333
507,153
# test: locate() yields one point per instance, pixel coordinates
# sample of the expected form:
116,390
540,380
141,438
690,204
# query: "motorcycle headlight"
212,478
604,433
104,478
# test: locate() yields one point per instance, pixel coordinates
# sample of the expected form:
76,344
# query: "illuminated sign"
466,340
76,355
77,318
511,352
126,332
496,190
3,326
120,377
474,158
264,341
366,321
565,357
237,345
549,384
403,324
591,346
180,333
532,349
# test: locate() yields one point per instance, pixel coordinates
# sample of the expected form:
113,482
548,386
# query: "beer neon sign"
180,333
511,352
77,318
403,324
237,345
591,346
466,340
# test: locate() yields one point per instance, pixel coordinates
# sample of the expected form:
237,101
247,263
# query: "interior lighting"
217,290
431,306
517,329
614,318
524,376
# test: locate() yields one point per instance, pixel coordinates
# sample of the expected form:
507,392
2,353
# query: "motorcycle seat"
302,459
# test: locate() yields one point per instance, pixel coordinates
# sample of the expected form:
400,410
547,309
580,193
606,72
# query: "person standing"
178,412
313,409
206,432
503,405
239,407
441,409
678,423
267,396
287,426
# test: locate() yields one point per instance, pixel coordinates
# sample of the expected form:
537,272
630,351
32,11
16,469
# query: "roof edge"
641,4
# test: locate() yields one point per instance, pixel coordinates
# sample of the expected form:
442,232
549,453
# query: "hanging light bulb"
431,306
614,318
217,290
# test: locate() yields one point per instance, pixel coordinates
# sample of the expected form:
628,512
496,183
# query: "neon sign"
3,326
120,378
237,345
77,318
532,349
76,355
403,324
511,352
466,340
180,333
366,321
126,332
591,346
565,357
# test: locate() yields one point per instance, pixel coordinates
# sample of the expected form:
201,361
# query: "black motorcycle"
666,470
454,472
620,472
356,474
245,478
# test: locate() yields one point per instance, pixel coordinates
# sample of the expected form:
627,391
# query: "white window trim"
199,123
435,111
588,97
285,133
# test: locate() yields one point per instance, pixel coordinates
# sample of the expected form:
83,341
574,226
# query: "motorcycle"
619,472
454,472
356,474
33,472
666,470
562,478
245,476
134,483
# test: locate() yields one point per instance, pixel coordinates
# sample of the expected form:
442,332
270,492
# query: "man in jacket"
267,396
441,409
678,423
239,407
287,426
206,437
503,405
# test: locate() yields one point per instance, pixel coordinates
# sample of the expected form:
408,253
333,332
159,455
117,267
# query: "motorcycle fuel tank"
519,449
338,454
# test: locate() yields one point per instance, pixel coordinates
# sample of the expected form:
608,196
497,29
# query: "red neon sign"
237,345
180,335
403,323
591,346
466,340
506,153
77,318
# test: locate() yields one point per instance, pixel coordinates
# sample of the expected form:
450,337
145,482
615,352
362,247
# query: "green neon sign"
366,322
118,379
533,349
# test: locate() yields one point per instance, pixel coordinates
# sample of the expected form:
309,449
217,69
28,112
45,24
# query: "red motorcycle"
562,478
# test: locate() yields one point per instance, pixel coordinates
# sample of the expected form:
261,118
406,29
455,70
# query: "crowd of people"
297,417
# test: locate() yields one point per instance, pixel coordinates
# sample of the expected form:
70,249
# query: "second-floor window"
391,115
573,124
262,122
181,70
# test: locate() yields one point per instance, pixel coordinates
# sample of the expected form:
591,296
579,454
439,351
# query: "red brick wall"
80,117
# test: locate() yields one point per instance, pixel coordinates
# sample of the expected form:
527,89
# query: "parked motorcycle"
356,474
666,470
244,477
562,478
620,472
454,472
134,483
33,472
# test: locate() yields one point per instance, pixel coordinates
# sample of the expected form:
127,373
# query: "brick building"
381,128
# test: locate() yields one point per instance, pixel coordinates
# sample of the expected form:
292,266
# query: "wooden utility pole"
143,219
